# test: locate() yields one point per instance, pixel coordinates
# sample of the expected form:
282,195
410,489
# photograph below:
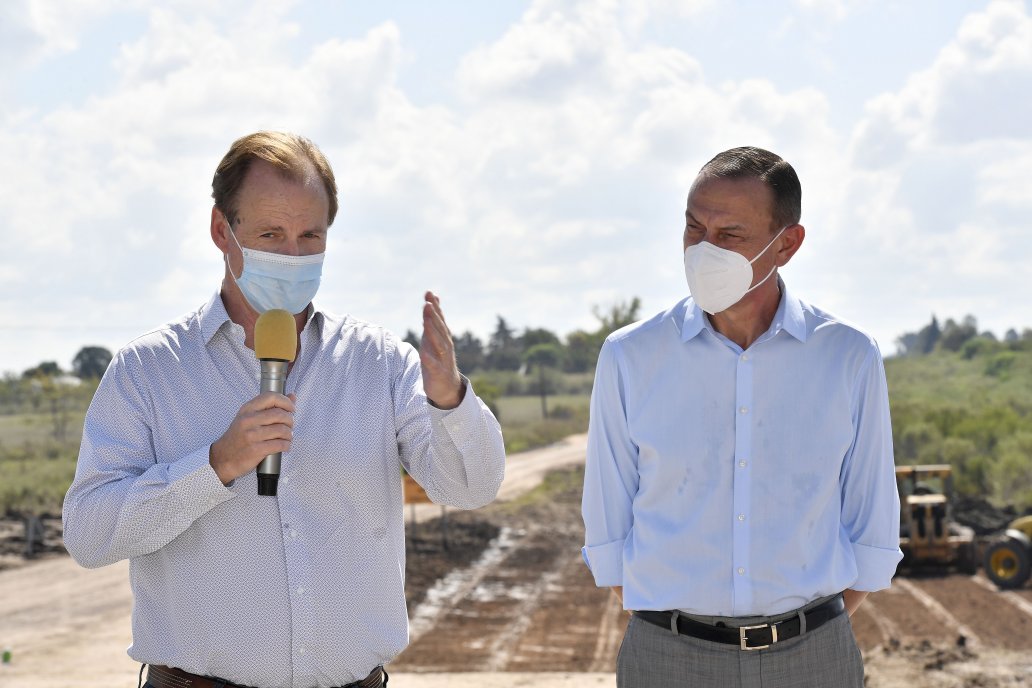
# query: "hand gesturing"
441,380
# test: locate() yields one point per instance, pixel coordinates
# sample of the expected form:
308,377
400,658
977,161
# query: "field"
37,468
523,426
38,450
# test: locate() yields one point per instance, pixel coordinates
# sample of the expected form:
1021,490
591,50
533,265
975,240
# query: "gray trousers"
653,657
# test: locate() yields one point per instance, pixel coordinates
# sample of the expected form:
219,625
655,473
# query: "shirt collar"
213,316
789,317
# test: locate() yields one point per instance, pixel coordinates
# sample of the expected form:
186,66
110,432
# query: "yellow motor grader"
1008,557
929,536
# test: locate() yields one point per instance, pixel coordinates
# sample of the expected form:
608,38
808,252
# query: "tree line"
962,337
507,349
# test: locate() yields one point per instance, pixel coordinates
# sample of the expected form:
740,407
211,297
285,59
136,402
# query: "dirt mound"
980,515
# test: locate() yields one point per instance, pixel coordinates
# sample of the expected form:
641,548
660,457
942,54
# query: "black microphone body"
274,379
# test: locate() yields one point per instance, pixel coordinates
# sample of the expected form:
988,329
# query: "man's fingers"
268,400
435,306
435,329
264,433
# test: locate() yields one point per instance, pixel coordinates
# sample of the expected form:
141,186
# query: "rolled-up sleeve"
870,498
610,473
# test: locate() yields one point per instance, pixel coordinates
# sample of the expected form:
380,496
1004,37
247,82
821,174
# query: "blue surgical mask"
273,280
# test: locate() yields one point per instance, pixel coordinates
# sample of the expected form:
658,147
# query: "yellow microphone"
275,345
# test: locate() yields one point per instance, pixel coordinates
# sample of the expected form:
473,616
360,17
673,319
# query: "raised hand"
441,380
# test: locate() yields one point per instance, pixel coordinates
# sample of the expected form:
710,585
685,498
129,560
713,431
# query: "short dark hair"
293,156
749,162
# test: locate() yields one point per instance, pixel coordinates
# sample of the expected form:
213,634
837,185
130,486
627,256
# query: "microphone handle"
274,379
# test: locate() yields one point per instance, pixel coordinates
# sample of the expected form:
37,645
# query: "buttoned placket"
295,541
742,484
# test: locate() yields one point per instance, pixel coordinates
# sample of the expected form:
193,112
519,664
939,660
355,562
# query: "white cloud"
940,187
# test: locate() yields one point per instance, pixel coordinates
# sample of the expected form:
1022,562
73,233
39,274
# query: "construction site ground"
500,597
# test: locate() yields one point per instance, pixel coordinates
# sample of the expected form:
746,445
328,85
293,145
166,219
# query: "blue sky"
528,159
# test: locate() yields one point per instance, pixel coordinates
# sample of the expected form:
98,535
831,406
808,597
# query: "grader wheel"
1008,562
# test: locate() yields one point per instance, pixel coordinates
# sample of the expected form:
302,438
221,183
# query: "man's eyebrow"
691,218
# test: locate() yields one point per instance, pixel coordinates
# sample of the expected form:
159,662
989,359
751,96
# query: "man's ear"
790,241
219,229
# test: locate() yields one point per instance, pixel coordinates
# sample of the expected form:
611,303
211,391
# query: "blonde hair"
292,155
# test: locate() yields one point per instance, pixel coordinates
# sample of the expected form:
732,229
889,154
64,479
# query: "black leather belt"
756,637
169,677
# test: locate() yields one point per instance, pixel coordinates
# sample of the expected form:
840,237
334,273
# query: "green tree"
44,369
503,349
954,335
412,338
921,342
582,351
91,362
469,352
616,316
537,336
545,357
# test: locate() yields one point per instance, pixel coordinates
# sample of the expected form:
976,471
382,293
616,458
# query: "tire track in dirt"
900,609
505,645
450,591
997,623
484,620
566,630
943,615
880,630
1012,598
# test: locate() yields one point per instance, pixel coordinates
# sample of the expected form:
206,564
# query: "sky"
523,159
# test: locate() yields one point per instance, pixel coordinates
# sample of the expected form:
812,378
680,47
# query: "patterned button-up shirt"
304,589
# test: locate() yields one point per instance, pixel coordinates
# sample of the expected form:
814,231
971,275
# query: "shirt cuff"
875,567
460,420
605,563
195,482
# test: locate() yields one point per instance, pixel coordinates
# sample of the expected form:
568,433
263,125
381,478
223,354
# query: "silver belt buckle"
744,642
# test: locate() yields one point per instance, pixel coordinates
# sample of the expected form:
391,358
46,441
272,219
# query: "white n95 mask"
274,280
719,278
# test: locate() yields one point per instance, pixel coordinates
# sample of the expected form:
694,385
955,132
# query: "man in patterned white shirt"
304,589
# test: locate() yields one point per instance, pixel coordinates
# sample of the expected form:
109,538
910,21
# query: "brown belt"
169,677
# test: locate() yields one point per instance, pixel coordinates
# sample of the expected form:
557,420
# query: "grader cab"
929,537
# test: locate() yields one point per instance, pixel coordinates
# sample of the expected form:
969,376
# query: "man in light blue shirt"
739,493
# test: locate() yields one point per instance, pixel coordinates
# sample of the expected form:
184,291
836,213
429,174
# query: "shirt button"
743,410
285,479
741,571
301,591
745,357
300,650
741,517
293,533
742,464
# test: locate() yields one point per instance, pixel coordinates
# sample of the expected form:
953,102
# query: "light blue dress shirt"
738,483
301,590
